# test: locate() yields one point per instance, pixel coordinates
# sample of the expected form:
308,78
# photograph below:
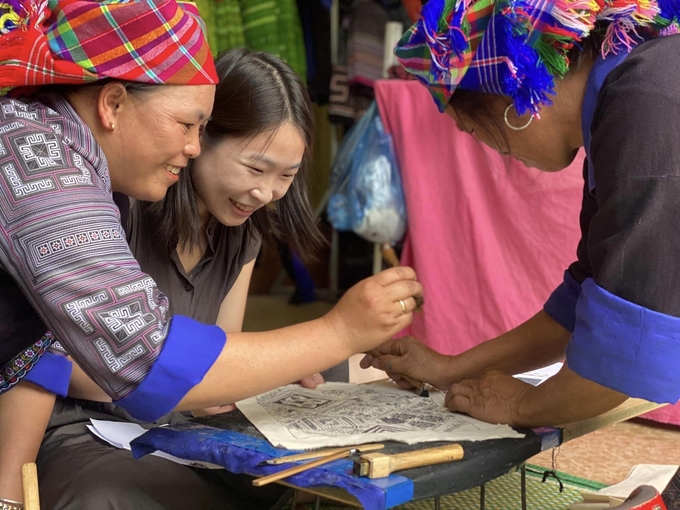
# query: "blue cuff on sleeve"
52,372
189,351
561,304
625,347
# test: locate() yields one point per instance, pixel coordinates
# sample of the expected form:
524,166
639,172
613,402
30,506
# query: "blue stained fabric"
190,350
561,304
598,74
624,346
241,453
551,437
52,372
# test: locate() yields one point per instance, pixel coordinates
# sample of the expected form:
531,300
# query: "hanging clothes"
205,8
360,60
229,29
366,43
274,26
316,25
501,241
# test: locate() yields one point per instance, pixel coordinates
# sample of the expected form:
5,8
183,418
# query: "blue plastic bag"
366,192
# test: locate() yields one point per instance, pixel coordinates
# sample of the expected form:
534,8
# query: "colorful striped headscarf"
517,48
46,42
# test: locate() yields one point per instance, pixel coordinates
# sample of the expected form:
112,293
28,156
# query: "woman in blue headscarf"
539,80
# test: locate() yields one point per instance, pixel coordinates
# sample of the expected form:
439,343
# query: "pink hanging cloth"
489,238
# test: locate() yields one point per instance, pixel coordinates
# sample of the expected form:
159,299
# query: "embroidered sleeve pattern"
62,242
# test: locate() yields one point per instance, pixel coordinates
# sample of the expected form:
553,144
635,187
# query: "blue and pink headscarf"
516,48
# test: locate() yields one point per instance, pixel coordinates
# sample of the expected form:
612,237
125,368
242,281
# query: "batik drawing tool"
315,454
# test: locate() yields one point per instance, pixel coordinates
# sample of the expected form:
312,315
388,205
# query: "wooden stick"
323,453
389,255
29,479
303,467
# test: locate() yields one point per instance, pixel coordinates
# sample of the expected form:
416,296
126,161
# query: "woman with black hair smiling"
198,245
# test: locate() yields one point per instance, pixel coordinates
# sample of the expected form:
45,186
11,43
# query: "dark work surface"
484,460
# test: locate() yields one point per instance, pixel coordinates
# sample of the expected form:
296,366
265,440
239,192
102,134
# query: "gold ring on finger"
403,306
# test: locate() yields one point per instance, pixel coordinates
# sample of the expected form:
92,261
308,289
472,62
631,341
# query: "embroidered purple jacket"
65,266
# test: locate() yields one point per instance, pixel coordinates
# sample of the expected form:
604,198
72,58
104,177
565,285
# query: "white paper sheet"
536,377
656,475
341,414
121,434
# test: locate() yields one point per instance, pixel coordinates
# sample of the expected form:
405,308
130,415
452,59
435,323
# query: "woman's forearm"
565,398
83,387
252,363
538,342
24,413
237,373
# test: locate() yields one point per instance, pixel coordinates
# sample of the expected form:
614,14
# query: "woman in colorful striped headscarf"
131,85
118,93
538,80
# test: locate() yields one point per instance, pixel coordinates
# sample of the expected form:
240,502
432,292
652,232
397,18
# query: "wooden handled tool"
379,465
29,480
323,453
343,453
389,255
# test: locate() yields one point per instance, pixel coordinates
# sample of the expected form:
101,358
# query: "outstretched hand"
409,356
495,398
310,382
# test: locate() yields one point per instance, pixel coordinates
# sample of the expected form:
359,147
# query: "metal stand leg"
524,486
334,263
285,500
317,503
482,496
293,501
437,503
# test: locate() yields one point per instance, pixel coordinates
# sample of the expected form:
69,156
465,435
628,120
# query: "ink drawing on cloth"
344,414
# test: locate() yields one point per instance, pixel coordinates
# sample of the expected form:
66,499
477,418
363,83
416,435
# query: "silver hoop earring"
515,128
